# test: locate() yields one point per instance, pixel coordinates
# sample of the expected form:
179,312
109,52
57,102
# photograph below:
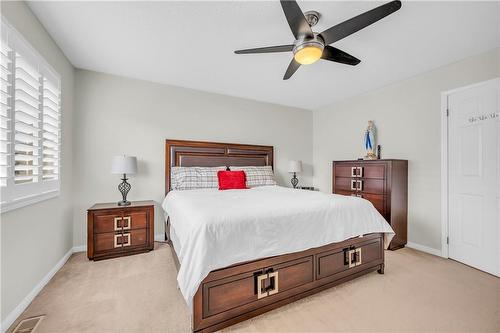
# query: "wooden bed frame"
244,290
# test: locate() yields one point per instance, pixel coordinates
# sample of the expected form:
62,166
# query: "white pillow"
257,175
188,178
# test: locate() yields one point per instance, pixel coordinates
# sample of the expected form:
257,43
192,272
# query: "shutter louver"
51,130
27,121
5,113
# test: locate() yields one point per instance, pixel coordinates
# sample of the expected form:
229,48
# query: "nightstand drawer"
106,222
116,241
138,220
120,220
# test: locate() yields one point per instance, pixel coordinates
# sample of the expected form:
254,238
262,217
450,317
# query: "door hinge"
447,240
447,112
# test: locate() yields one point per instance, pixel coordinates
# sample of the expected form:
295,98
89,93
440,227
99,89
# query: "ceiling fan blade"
333,54
292,68
296,19
359,22
268,49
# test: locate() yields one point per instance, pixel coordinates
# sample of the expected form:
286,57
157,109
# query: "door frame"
444,163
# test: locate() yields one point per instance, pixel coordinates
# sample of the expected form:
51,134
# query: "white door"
474,180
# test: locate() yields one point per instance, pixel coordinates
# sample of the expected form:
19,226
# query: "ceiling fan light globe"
308,54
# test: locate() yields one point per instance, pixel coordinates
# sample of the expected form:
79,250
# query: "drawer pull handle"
354,257
262,290
127,225
359,172
121,242
273,281
118,225
353,172
359,186
116,241
354,183
127,243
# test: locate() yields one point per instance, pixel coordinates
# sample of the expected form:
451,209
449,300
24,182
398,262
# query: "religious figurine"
370,142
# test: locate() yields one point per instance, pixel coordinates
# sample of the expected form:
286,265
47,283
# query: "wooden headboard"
212,154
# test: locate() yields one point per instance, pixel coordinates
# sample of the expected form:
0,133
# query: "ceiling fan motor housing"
315,41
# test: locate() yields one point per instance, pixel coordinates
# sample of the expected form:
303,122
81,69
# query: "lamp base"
124,187
294,180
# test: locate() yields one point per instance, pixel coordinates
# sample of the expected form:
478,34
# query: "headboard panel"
211,154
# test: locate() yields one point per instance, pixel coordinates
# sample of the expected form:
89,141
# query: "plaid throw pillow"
189,178
257,175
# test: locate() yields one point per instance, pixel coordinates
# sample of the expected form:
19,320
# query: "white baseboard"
424,248
19,309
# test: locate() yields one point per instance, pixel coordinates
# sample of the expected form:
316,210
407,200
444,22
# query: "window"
30,129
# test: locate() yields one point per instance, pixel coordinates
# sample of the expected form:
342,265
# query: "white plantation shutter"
30,124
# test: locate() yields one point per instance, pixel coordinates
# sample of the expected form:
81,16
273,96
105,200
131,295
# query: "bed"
289,248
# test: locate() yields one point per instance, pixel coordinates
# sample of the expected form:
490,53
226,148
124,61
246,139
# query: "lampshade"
295,166
124,164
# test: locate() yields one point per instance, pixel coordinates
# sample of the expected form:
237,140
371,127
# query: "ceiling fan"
310,46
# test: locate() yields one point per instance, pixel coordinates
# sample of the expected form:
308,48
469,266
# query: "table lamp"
124,165
295,167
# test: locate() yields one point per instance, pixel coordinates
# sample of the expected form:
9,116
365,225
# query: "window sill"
9,206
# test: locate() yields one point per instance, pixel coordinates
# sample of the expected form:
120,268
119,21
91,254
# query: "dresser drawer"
376,186
345,170
345,184
378,200
242,290
369,170
337,261
120,241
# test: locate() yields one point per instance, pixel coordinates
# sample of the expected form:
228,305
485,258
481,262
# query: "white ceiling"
191,44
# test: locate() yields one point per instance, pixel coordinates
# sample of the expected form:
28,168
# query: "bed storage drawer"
339,260
255,287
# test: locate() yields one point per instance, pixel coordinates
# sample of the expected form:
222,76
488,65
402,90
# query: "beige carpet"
418,293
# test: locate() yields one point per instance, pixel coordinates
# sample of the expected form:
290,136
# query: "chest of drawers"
114,231
382,182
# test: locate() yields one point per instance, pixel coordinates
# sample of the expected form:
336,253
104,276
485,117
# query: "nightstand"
115,231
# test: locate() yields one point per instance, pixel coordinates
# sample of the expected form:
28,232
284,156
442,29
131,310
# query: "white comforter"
216,229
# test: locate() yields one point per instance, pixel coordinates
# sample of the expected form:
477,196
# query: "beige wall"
116,115
36,237
407,117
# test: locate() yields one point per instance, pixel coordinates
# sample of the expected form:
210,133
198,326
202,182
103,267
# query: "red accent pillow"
231,180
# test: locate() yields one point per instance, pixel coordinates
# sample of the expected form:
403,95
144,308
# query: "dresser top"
380,160
114,205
